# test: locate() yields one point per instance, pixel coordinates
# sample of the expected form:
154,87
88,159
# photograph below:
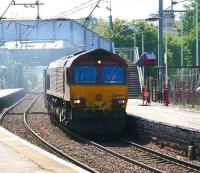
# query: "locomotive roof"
62,61
68,60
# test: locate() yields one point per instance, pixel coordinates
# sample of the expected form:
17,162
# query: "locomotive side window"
113,74
48,81
85,74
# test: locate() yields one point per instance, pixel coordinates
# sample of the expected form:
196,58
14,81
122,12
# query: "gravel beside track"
144,157
20,108
13,121
170,152
85,153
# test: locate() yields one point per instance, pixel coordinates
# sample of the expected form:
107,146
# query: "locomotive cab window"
85,74
113,74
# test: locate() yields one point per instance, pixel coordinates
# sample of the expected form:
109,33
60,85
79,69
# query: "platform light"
99,62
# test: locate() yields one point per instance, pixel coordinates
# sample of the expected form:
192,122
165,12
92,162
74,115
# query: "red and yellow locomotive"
88,92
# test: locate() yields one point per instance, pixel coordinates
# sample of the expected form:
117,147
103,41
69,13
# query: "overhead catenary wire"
75,9
66,13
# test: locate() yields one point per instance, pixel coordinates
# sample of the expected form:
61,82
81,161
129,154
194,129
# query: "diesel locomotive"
87,92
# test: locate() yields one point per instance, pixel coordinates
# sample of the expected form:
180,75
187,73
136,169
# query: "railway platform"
170,115
167,125
10,96
19,156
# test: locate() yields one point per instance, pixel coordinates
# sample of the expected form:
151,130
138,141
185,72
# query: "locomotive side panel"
67,85
56,82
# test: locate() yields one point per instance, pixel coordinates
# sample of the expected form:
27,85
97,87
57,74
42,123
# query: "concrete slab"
6,92
11,161
163,114
19,156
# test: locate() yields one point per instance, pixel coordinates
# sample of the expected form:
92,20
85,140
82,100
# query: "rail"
166,157
10,108
51,147
141,165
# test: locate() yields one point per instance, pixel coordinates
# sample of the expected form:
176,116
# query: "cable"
77,10
74,8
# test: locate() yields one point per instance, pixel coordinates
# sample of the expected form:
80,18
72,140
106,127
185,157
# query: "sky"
122,9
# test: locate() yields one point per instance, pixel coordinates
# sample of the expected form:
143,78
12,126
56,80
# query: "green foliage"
173,50
189,32
122,34
124,56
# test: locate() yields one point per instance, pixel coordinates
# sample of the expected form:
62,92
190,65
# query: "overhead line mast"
87,18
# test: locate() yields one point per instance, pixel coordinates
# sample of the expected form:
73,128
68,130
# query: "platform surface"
6,92
19,156
165,114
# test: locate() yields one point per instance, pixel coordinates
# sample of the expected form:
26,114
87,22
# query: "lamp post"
197,35
135,43
182,41
142,38
134,28
110,16
160,49
161,52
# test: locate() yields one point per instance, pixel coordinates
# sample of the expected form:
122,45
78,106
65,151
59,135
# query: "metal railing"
140,69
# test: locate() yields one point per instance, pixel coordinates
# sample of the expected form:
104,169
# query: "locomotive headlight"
118,102
121,101
77,101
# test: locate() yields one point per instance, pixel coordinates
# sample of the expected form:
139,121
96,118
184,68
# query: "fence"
183,87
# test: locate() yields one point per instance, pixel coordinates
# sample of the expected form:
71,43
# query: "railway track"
142,156
167,159
51,147
146,158
91,156
151,158
94,159
19,112
116,154
150,162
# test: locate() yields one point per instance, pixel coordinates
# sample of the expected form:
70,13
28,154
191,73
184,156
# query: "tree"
189,27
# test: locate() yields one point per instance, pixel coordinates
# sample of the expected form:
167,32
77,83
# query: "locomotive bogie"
99,123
